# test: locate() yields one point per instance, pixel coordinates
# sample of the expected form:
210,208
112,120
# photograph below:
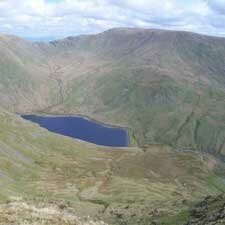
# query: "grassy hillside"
156,110
117,185
41,170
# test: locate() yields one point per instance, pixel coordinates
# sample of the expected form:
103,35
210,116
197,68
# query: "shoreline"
89,118
126,129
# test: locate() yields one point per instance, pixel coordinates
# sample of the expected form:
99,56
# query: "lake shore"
79,116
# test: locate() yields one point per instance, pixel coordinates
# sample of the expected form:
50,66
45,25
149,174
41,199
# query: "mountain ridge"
123,29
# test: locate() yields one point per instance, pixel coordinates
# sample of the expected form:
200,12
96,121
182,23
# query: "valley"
167,88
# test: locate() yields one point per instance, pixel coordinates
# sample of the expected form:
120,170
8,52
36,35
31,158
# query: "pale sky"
50,19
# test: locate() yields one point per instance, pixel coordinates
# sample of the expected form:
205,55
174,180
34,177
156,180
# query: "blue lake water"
84,129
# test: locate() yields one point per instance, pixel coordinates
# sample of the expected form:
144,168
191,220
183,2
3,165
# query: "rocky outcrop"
211,211
21,213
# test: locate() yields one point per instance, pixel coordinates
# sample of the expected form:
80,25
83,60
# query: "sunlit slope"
24,75
112,184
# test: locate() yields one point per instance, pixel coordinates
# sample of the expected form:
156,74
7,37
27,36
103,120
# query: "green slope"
120,186
161,110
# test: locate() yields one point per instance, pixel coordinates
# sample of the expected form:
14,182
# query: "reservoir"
83,129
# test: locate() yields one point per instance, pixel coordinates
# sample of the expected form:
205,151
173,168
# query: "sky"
52,19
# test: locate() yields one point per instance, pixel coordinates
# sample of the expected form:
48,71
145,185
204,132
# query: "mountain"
166,87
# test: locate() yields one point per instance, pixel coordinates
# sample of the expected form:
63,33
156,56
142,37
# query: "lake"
83,129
